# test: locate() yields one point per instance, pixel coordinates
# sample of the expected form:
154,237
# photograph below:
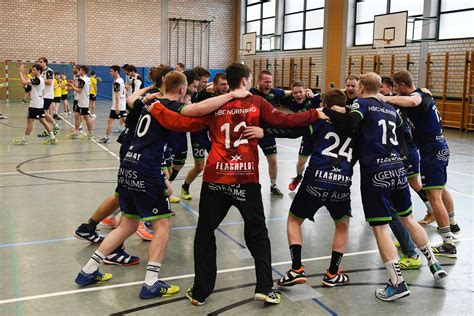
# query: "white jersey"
84,83
119,87
128,81
37,88
48,73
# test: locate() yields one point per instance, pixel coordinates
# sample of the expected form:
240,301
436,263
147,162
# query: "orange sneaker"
428,219
109,222
143,232
294,183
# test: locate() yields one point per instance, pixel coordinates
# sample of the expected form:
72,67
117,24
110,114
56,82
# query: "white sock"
445,232
152,272
394,272
273,182
93,263
52,135
428,252
452,220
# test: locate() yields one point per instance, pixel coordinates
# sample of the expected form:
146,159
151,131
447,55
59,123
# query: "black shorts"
92,97
83,111
115,116
27,88
75,106
268,145
34,113
47,104
63,96
57,99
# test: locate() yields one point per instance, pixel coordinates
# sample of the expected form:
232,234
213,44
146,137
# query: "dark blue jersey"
176,140
274,97
308,103
377,140
426,122
331,160
135,112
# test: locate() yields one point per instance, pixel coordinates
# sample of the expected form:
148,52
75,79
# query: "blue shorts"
306,147
433,166
179,147
383,190
414,159
312,196
200,143
142,197
268,145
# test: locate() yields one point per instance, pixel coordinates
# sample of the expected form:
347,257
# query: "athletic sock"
428,253
185,186
90,225
446,234
452,220
394,272
52,135
273,182
336,258
94,262
152,272
174,174
424,198
295,251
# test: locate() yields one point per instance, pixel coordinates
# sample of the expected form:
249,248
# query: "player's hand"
21,67
252,132
321,115
117,111
426,91
240,93
309,93
210,88
381,97
338,108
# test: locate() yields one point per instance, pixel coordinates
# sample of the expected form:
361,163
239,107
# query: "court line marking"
93,140
178,277
60,171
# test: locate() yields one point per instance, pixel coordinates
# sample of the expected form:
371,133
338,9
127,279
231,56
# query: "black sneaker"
445,250
189,295
121,258
92,236
335,279
275,191
293,277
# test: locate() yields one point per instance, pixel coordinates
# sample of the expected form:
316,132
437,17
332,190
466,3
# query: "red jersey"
233,160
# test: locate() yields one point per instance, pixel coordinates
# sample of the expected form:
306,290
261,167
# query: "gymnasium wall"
116,32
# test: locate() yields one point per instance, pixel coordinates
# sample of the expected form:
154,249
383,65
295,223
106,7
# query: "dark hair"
264,72
403,76
124,67
162,75
191,76
180,65
352,77
82,67
388,81
202,72
334,97
92,73
38,67
132,68
218,76
44,59
234,74
297,83
115,68
154,73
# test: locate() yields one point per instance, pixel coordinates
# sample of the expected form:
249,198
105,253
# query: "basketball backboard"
249,43
390,30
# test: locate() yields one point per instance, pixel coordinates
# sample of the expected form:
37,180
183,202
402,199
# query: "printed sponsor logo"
233,190
235,111
332,176
154,211
235,166
443,155
354,106
390,178
131,179
382,110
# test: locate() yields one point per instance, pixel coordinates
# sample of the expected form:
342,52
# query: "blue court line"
192,211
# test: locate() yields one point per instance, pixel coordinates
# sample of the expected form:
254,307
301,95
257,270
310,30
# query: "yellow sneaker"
185,194
174,199
396,243
410,263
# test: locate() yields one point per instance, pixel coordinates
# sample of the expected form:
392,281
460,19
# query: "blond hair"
371,82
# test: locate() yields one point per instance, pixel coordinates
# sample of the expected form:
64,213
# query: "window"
303,24
456,19
260,18
366,10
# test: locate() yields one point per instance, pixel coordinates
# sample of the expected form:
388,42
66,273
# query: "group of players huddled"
396,139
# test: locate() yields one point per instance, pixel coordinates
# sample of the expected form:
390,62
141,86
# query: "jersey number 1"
226,129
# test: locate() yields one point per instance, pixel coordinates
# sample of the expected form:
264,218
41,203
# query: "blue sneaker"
84,279
121,258
392,292
158,289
